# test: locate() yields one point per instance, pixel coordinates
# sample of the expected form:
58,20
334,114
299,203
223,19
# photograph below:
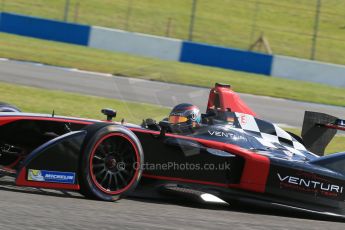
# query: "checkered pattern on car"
268,134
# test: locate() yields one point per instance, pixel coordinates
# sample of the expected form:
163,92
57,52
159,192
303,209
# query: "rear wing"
339,124
319,129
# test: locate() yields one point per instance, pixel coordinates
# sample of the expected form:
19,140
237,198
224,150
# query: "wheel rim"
114,163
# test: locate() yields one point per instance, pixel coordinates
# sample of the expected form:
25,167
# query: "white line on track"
91,72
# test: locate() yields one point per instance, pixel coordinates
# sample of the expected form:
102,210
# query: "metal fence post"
76,12
168,27
192,18
316,29
254,20
128,14
65,17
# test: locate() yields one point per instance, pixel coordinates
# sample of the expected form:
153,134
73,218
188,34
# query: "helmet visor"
177,119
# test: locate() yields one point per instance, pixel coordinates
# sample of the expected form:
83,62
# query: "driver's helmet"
184,117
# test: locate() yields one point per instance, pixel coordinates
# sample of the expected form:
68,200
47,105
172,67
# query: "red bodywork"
222,98
337,127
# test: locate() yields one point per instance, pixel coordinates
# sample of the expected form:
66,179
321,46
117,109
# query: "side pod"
53,164
335,162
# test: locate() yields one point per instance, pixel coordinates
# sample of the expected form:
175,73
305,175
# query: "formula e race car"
234,156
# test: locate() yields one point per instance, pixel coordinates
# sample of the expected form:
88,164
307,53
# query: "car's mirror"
110,113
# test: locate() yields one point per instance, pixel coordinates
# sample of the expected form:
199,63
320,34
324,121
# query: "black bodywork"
232,156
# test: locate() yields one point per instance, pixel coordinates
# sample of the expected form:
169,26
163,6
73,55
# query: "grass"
36,100
336,145
60,54
288,25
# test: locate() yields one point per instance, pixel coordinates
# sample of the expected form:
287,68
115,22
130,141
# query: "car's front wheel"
111,164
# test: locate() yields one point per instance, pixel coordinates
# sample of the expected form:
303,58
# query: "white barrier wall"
306,70
135,43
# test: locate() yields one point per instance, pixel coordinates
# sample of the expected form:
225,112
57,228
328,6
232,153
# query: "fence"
173,49
302,28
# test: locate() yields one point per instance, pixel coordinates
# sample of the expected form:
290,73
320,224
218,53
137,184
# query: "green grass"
336,145
36,100
288,24
60,54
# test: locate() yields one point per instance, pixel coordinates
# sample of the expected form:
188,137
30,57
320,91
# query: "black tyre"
111,162
4,107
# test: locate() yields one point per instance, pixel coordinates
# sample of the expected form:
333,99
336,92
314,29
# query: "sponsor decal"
177,114
35,175
312,185
194,115
225,134
51,176
243,119
221,134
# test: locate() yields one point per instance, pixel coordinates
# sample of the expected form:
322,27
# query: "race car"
234,155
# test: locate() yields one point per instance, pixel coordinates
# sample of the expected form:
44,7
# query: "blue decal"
51,176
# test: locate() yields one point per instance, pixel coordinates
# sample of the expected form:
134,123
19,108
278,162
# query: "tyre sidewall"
88,187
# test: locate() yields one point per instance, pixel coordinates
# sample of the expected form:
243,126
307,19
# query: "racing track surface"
29,208
130,89
25,208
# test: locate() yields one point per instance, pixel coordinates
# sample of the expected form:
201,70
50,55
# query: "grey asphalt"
25,208
29,208
130,89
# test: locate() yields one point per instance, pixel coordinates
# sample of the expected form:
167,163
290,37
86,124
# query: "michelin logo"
51,176
35,175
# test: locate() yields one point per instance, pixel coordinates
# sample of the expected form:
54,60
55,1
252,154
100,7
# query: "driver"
184,118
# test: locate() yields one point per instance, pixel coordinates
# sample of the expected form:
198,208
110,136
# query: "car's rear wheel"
4,107
111,163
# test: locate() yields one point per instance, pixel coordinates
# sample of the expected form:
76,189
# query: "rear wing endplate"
319,129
